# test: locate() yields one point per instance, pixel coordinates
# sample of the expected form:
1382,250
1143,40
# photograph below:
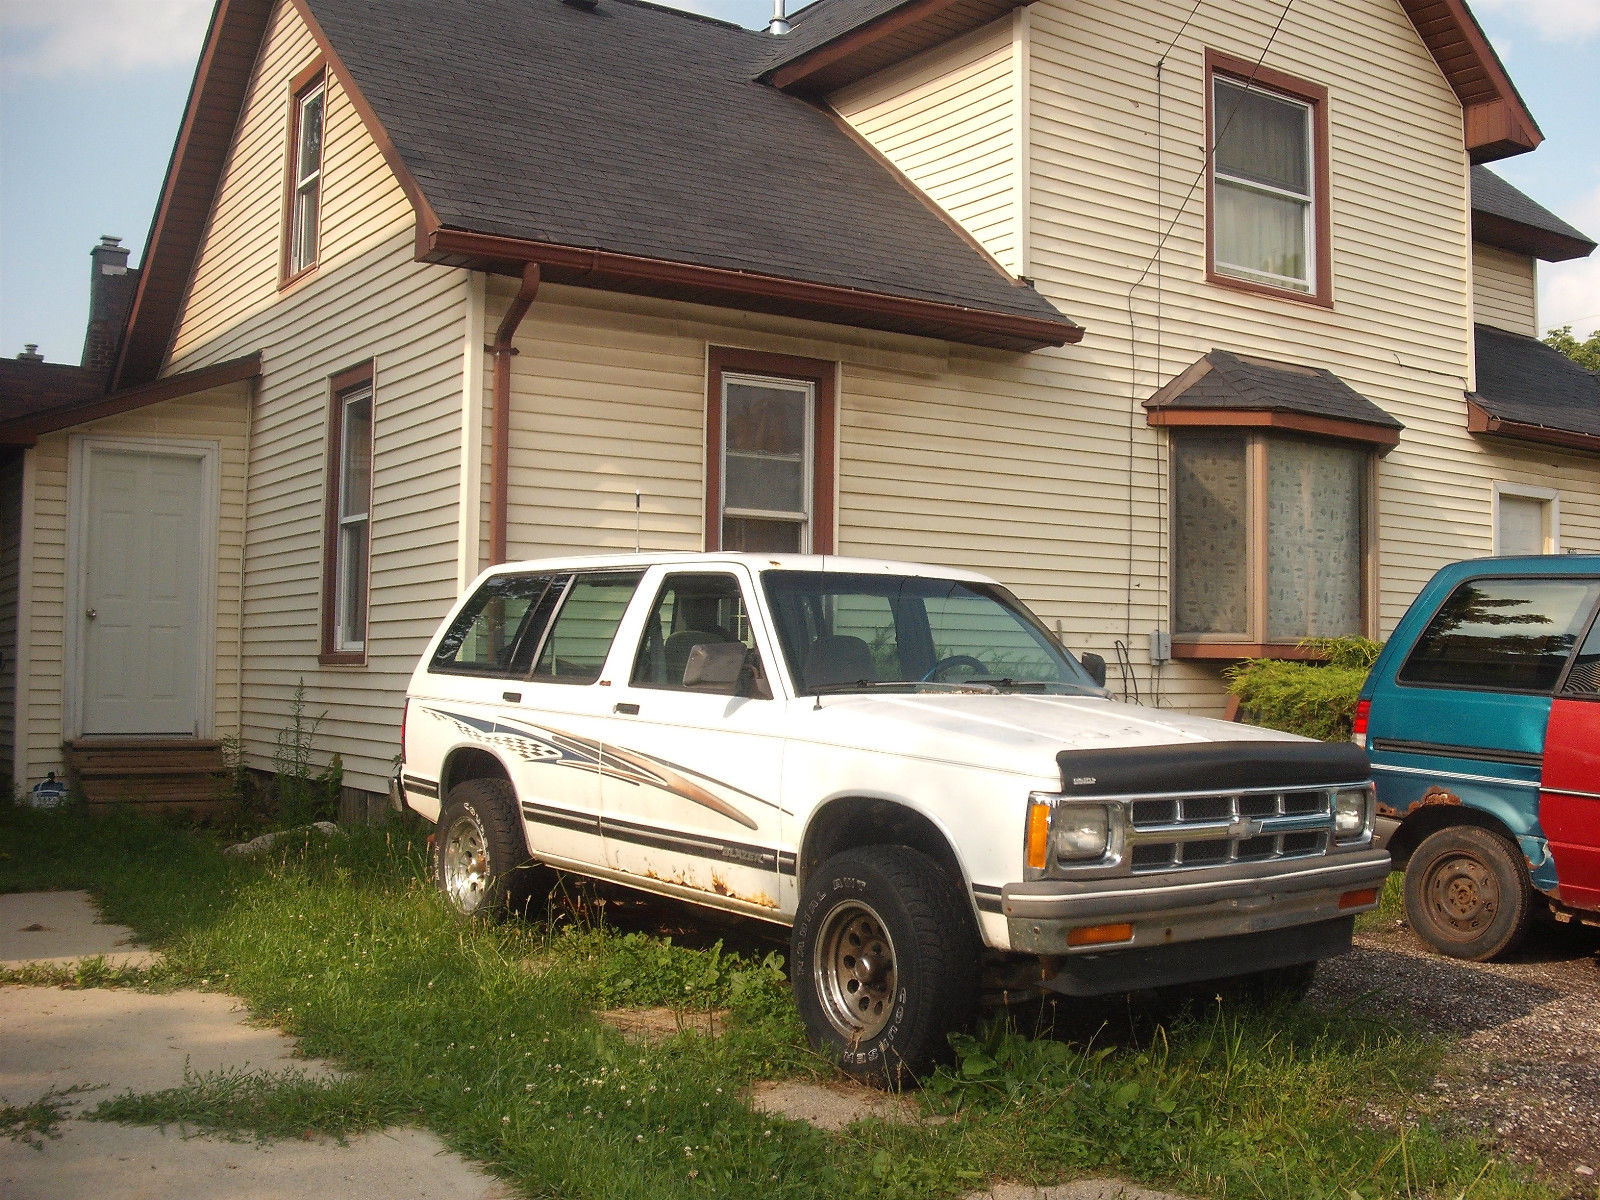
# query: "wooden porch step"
150,774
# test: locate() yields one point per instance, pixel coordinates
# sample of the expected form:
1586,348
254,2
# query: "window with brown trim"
302,207
1267,227
770,453
1271,541
347,523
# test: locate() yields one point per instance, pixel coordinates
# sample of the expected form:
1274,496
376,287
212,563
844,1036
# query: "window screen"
499,629
1262,184
576,649
1502,634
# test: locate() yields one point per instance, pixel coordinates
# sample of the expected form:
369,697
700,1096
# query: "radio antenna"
636,500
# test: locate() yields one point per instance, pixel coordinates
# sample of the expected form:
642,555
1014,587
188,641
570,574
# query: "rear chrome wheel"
464,863
481,860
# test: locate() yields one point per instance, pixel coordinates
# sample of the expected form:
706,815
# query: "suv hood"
1016,733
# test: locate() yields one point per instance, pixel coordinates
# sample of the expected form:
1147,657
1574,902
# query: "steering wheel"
936,671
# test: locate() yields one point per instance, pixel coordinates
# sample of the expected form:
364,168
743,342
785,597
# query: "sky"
92,91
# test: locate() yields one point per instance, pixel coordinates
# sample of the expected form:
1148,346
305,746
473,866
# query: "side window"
1584,678
1502,634
690,611
576,648
499,629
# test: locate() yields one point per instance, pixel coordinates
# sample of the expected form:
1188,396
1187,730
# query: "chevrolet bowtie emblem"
1244,827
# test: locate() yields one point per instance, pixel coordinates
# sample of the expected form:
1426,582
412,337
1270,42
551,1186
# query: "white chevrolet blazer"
899,762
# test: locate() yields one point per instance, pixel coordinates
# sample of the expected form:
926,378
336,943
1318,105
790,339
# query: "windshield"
855,632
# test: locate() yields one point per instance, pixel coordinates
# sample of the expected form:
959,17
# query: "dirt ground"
1527,1071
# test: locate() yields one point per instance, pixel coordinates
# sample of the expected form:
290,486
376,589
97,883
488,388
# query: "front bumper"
1207,908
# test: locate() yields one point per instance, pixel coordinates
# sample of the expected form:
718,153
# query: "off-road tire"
893,903
480,856
1468,894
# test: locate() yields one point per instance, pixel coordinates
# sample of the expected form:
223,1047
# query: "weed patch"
31,1124
244,1104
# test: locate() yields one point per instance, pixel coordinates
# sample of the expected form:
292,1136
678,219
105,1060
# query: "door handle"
626,708
90,613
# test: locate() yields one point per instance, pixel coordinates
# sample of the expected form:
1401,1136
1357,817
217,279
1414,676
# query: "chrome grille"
1169,833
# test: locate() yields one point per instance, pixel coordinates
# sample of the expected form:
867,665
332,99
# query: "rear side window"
498,631
1502,634
576,648
1584,678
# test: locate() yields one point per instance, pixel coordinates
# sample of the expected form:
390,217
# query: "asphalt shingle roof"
1521,379
1235,382
1503,216
640,130
818,24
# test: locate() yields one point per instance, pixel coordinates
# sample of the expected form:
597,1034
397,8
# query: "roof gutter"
1481,420
500,417
717,285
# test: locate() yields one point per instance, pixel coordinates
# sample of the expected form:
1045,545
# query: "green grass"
489,1036
31,1124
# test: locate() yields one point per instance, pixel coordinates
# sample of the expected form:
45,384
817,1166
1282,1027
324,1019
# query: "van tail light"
405,713
1358,730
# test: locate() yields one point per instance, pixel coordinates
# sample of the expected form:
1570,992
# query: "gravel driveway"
1527,1072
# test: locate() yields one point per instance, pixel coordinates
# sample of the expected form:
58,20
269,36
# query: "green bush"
1313,699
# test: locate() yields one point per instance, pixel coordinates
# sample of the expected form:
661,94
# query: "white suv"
898,761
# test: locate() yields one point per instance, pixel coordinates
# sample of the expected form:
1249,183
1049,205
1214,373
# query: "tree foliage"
1585,353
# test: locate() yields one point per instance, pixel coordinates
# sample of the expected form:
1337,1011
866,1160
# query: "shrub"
1313,699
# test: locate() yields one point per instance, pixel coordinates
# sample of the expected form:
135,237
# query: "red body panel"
1569,799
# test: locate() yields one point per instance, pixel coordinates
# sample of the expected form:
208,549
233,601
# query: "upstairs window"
303,210
347,532
1268,227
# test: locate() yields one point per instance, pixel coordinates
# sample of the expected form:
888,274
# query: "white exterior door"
144,628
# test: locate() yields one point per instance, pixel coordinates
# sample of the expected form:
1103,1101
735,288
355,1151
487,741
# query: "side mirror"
1095,664
715,666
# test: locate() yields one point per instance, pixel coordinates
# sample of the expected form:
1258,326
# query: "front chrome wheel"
464,859
854,971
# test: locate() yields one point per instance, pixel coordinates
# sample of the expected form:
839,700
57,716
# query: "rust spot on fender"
719,885
1437,795
1388,810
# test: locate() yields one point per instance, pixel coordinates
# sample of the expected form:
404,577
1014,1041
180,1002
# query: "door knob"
90,613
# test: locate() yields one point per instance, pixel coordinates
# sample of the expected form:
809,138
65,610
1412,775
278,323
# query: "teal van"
1482,721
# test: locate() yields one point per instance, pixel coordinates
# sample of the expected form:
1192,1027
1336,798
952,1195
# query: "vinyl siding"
1505,290
1118,166
217,418
366,299
948,120
236,275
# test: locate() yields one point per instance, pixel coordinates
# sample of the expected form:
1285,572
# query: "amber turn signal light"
1359,898
1099,935
1038,836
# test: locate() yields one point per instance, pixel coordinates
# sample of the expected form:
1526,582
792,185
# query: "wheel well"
856,821
1425,820
469,763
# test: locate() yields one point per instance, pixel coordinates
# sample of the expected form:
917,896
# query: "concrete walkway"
108,1041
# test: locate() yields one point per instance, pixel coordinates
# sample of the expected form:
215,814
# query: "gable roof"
1497,123
836,42
1529,391
1502,216
622,146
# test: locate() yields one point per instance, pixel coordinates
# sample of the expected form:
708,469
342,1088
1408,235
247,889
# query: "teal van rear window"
1502,634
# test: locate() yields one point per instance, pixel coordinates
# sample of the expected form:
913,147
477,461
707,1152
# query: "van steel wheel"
1467,893
884,962
481,860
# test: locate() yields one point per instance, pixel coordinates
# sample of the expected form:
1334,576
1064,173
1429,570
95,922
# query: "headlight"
1080,832
1352,812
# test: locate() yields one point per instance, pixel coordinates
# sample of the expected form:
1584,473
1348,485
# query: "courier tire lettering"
884,962
481,862
1467,892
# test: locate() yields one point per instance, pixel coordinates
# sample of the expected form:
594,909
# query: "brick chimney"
30,353
111,286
